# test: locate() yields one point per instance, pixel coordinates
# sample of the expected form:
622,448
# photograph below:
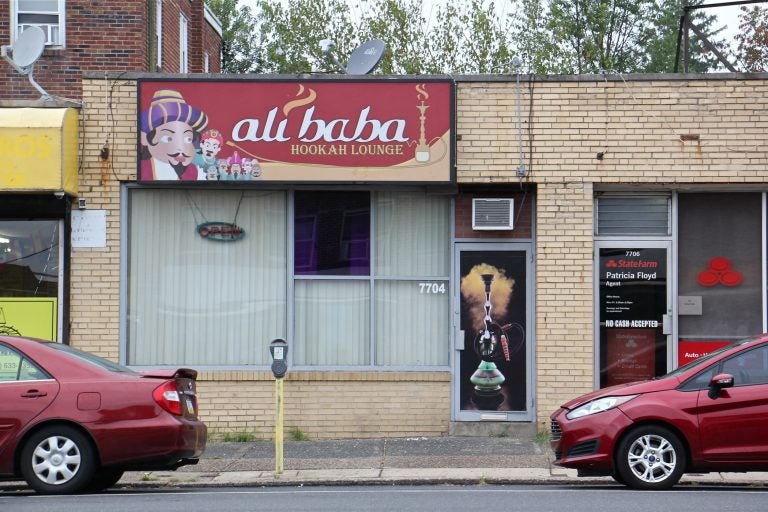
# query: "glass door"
493,356
634,312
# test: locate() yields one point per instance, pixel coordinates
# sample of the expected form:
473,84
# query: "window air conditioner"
493,214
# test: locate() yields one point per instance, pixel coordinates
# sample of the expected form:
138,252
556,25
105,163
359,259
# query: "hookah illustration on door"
496,344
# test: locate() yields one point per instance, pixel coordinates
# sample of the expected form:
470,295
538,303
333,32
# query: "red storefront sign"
297,131
688,351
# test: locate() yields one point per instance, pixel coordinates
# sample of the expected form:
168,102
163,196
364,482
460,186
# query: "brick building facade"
116,37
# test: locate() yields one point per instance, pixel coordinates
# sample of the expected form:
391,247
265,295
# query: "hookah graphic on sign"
422,149
487,292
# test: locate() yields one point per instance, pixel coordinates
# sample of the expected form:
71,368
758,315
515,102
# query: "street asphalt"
456,460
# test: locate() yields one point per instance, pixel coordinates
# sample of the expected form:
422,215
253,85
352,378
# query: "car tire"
58,460
650,457
617,478
104,479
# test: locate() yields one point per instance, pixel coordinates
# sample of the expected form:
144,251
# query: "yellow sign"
34,317
38,149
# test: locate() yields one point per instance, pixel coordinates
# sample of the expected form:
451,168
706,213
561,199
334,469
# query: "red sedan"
709,415
73,422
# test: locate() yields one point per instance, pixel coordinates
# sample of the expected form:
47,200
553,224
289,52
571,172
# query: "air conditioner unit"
493,214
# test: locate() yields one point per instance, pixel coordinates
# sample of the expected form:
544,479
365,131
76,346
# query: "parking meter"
278,349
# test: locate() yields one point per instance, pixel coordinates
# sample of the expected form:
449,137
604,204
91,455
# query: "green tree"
662,40
400,24
465,38
535,44
596,35
752,39
469,36
290,35
239,51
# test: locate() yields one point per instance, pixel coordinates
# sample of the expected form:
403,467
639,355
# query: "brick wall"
113,36
99,36
328,405
643,126
211,46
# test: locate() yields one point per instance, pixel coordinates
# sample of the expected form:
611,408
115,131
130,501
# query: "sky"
727,16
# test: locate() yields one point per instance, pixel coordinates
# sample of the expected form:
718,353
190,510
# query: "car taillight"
167,397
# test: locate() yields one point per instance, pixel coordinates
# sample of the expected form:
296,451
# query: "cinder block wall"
654,131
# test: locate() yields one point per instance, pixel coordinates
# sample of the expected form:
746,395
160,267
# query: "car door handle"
33,393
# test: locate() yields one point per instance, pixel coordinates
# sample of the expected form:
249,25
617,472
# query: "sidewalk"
434,460
453,460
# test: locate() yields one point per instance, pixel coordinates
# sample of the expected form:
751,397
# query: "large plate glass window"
196,300
363,275
720,270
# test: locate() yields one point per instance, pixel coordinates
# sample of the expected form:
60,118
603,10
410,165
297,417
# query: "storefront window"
371,274
333,233
195,300
332,322
720,269
29,277
407,277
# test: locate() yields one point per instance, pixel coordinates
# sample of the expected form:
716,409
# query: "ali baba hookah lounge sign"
365,131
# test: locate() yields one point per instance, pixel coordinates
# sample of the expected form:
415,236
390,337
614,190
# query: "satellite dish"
25,52
366,57
28,47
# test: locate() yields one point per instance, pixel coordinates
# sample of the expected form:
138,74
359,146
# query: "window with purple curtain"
332,233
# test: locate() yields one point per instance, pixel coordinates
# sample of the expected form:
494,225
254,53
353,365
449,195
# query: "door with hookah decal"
493,359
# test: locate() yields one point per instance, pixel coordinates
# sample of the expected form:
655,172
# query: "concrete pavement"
457,460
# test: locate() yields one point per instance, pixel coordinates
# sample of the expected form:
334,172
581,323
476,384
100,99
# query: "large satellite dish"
366,57
25,51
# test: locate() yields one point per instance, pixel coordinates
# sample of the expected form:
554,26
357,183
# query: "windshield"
90,358
706,357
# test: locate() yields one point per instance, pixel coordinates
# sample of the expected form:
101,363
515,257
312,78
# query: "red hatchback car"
74,422
709,415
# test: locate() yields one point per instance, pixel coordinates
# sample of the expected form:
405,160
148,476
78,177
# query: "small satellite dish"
29,47
25,52
366,57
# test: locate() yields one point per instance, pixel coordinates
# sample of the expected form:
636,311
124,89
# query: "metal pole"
278,427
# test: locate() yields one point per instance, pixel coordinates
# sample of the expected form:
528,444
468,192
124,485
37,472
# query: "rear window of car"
90,358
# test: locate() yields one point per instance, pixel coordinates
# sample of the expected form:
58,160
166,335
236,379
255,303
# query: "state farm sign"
297,131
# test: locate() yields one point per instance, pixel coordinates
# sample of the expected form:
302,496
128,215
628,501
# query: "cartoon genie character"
169,129
211,142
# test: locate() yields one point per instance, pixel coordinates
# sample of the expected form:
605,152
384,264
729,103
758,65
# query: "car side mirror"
718,383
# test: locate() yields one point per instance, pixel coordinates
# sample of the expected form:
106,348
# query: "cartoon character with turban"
170,129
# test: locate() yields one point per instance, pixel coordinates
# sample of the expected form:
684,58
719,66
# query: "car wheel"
650,457
104,479
58,460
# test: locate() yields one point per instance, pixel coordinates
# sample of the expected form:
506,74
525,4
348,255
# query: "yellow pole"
279,427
